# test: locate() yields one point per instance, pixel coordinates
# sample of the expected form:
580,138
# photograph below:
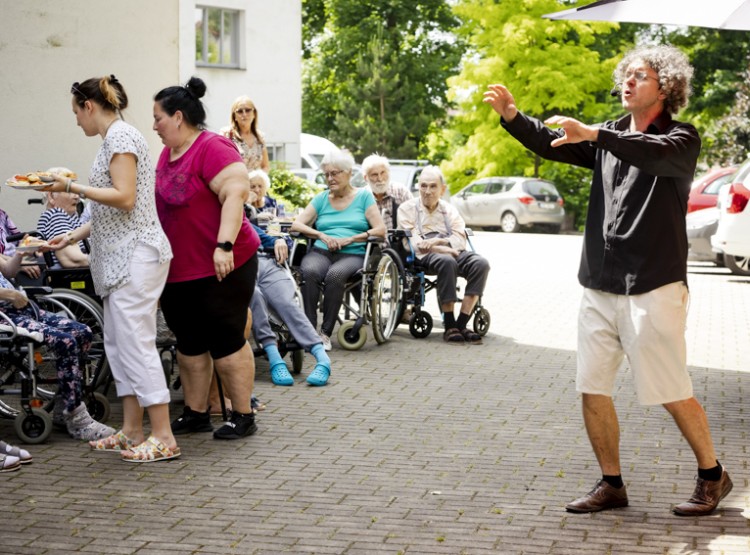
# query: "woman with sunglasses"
129,260
243,132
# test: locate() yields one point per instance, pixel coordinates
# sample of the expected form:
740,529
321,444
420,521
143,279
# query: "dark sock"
614,481
710,474
449,320
462,320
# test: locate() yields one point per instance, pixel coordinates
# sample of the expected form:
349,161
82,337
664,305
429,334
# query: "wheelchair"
416,285
28,371
372,296
74,289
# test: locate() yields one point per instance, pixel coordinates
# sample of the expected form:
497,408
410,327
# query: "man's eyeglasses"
639,76
333,173
75,90
244,110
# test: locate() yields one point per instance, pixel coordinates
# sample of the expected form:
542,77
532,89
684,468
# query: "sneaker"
319,376
192,422
326,342
21,454
240,425
706,496
601,498
280,374
84,428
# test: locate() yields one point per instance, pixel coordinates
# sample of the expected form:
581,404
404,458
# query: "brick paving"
417,447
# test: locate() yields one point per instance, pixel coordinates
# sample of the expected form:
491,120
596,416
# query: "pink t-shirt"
190,212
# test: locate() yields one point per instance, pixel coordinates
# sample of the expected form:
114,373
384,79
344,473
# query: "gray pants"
275,288
469,265
334,269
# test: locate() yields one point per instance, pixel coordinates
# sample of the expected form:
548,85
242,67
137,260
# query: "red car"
704,192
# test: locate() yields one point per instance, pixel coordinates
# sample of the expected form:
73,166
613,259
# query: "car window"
540,188
497,187
717,184
476,189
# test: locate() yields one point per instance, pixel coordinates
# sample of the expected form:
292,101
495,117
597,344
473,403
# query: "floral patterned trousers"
67,339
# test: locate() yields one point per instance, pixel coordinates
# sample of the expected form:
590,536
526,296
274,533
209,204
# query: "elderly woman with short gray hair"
340,220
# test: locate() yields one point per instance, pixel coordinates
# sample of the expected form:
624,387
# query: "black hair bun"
196,86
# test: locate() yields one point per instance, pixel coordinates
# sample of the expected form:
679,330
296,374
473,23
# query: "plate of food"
35,180
31,244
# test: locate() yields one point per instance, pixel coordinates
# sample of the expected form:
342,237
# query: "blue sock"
272,352
319,352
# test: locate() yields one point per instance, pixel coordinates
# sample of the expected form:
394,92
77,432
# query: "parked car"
510,203
733,233
705,190
406,172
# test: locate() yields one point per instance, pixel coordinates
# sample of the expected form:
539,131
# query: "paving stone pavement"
418,447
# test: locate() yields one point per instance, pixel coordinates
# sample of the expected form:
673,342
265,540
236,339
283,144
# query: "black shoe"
192,422
240,425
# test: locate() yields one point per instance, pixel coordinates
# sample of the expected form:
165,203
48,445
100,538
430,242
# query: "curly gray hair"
671,65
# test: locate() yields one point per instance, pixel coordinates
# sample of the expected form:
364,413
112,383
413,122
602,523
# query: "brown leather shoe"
601,498
706,496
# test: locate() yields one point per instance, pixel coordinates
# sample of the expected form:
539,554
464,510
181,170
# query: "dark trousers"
469,265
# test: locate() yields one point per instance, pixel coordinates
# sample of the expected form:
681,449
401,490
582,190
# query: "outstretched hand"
499,97
574,130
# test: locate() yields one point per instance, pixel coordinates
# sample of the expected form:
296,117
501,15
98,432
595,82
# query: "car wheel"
738,265
509,223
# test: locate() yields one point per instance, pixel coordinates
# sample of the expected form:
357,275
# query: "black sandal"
471,336
453,336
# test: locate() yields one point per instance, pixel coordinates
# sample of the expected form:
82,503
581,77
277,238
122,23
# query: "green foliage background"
406,78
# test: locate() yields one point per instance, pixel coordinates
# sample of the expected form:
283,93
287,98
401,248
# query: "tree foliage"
551,67
376,71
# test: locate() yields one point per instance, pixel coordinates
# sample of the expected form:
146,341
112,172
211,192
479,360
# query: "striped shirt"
54,222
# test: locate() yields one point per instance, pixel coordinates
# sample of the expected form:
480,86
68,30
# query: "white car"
733,234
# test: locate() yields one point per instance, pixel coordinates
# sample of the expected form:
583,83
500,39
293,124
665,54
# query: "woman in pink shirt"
201,190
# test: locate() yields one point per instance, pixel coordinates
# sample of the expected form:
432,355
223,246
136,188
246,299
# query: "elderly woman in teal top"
340,220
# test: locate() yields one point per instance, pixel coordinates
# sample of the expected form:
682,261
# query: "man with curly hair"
634,261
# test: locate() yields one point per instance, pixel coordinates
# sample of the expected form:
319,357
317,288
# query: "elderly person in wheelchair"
341,220
438,237
67,339
275,288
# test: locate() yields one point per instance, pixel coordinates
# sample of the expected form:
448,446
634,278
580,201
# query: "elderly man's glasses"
75,90
244,110
334,173
639,76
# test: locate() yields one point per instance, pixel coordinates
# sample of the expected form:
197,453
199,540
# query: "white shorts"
649,329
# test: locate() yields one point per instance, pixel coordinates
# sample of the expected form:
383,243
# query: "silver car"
510,203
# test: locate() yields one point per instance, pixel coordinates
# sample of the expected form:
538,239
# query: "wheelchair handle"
15,237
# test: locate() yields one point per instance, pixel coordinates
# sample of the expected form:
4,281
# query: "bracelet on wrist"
82,192
68,184
69,237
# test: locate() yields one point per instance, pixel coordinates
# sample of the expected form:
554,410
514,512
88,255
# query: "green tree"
551,67
375,76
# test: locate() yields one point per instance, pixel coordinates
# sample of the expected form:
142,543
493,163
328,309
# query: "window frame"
234,35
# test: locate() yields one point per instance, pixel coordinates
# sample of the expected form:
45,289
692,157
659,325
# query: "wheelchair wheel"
348,339
386,304
298,359
98,407
35,427
420,324
482,321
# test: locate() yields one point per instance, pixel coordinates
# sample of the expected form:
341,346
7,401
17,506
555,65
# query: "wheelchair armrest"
375,239
469,232
399,233
37,290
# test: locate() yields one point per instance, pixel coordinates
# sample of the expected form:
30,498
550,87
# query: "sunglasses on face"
244,111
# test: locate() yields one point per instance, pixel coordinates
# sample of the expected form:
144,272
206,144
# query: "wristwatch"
226,246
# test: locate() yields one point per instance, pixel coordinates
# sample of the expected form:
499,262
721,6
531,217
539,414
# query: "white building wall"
46,45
